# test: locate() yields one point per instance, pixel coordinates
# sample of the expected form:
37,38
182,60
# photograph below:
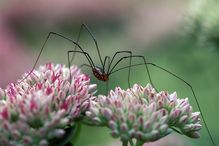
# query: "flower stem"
139,143
131,142
125,143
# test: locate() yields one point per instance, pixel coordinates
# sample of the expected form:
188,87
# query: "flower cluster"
143,114
38,108
43,105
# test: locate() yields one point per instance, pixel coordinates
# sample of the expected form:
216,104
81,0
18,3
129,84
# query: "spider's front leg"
109,70
85,54
50,34
85,27
129,67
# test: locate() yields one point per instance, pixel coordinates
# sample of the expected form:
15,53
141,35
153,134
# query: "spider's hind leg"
186,83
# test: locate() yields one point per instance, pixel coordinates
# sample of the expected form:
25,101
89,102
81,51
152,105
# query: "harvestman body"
103,74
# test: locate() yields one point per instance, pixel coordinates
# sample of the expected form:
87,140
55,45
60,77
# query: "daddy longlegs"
106,69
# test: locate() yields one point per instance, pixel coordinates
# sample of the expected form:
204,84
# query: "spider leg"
87,65
106,59
41,50
109,70
132,56
86,55
189,85
85,27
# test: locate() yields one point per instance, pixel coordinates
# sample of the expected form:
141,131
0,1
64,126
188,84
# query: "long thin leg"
78,38
87,65
129,52
84,26
196,100
69,65
136,56
107,59
86,55
41,50
111,69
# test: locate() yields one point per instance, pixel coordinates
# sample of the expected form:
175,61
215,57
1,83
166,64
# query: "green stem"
131,142
139,143
76,133
125,143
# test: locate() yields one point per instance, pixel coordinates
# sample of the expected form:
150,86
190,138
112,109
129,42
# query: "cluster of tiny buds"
143,114
39,107
42,105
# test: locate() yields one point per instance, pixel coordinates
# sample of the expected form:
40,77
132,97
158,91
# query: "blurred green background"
181,36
